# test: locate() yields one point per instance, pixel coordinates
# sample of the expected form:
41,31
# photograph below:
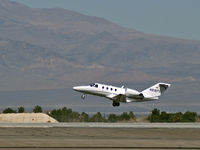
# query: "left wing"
117,97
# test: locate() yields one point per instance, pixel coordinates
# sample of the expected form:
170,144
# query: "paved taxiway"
104,125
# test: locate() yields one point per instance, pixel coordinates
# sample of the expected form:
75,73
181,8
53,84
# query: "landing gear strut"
115,104
83,96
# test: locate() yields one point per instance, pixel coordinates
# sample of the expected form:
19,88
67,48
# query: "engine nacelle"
131,92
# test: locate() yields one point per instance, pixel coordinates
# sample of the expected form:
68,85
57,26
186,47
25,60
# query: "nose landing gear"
83,96
115,104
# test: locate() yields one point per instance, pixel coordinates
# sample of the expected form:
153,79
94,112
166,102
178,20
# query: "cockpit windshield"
93,84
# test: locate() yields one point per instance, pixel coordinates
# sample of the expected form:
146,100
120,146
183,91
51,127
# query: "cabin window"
102,87
111,89
107,88
115,89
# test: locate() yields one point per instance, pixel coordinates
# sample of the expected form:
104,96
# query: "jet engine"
131,92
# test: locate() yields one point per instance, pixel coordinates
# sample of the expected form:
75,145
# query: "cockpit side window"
96,85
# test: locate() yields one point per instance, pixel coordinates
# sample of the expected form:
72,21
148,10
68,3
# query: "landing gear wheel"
116,104
83,96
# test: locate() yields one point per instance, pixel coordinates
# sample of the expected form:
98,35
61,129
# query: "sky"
175,18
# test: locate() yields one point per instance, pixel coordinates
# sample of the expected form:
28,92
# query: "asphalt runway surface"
103,125
99,136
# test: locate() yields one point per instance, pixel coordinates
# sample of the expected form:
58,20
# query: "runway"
104,125
83,138
129,125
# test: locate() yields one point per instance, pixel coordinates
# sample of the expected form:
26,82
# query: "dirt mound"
26,118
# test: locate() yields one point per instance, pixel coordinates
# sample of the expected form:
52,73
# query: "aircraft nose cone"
80,88
76,88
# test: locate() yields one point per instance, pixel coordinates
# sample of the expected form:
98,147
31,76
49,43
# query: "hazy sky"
177,18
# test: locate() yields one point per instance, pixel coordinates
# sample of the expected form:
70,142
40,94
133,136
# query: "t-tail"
155,91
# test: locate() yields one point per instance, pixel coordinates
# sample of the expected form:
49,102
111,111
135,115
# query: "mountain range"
51,48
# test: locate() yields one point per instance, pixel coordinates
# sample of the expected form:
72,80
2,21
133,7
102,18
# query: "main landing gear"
83,96
115,104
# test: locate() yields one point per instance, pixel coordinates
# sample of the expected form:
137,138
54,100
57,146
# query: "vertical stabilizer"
156,90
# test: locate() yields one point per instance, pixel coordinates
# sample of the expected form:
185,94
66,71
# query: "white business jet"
122,94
